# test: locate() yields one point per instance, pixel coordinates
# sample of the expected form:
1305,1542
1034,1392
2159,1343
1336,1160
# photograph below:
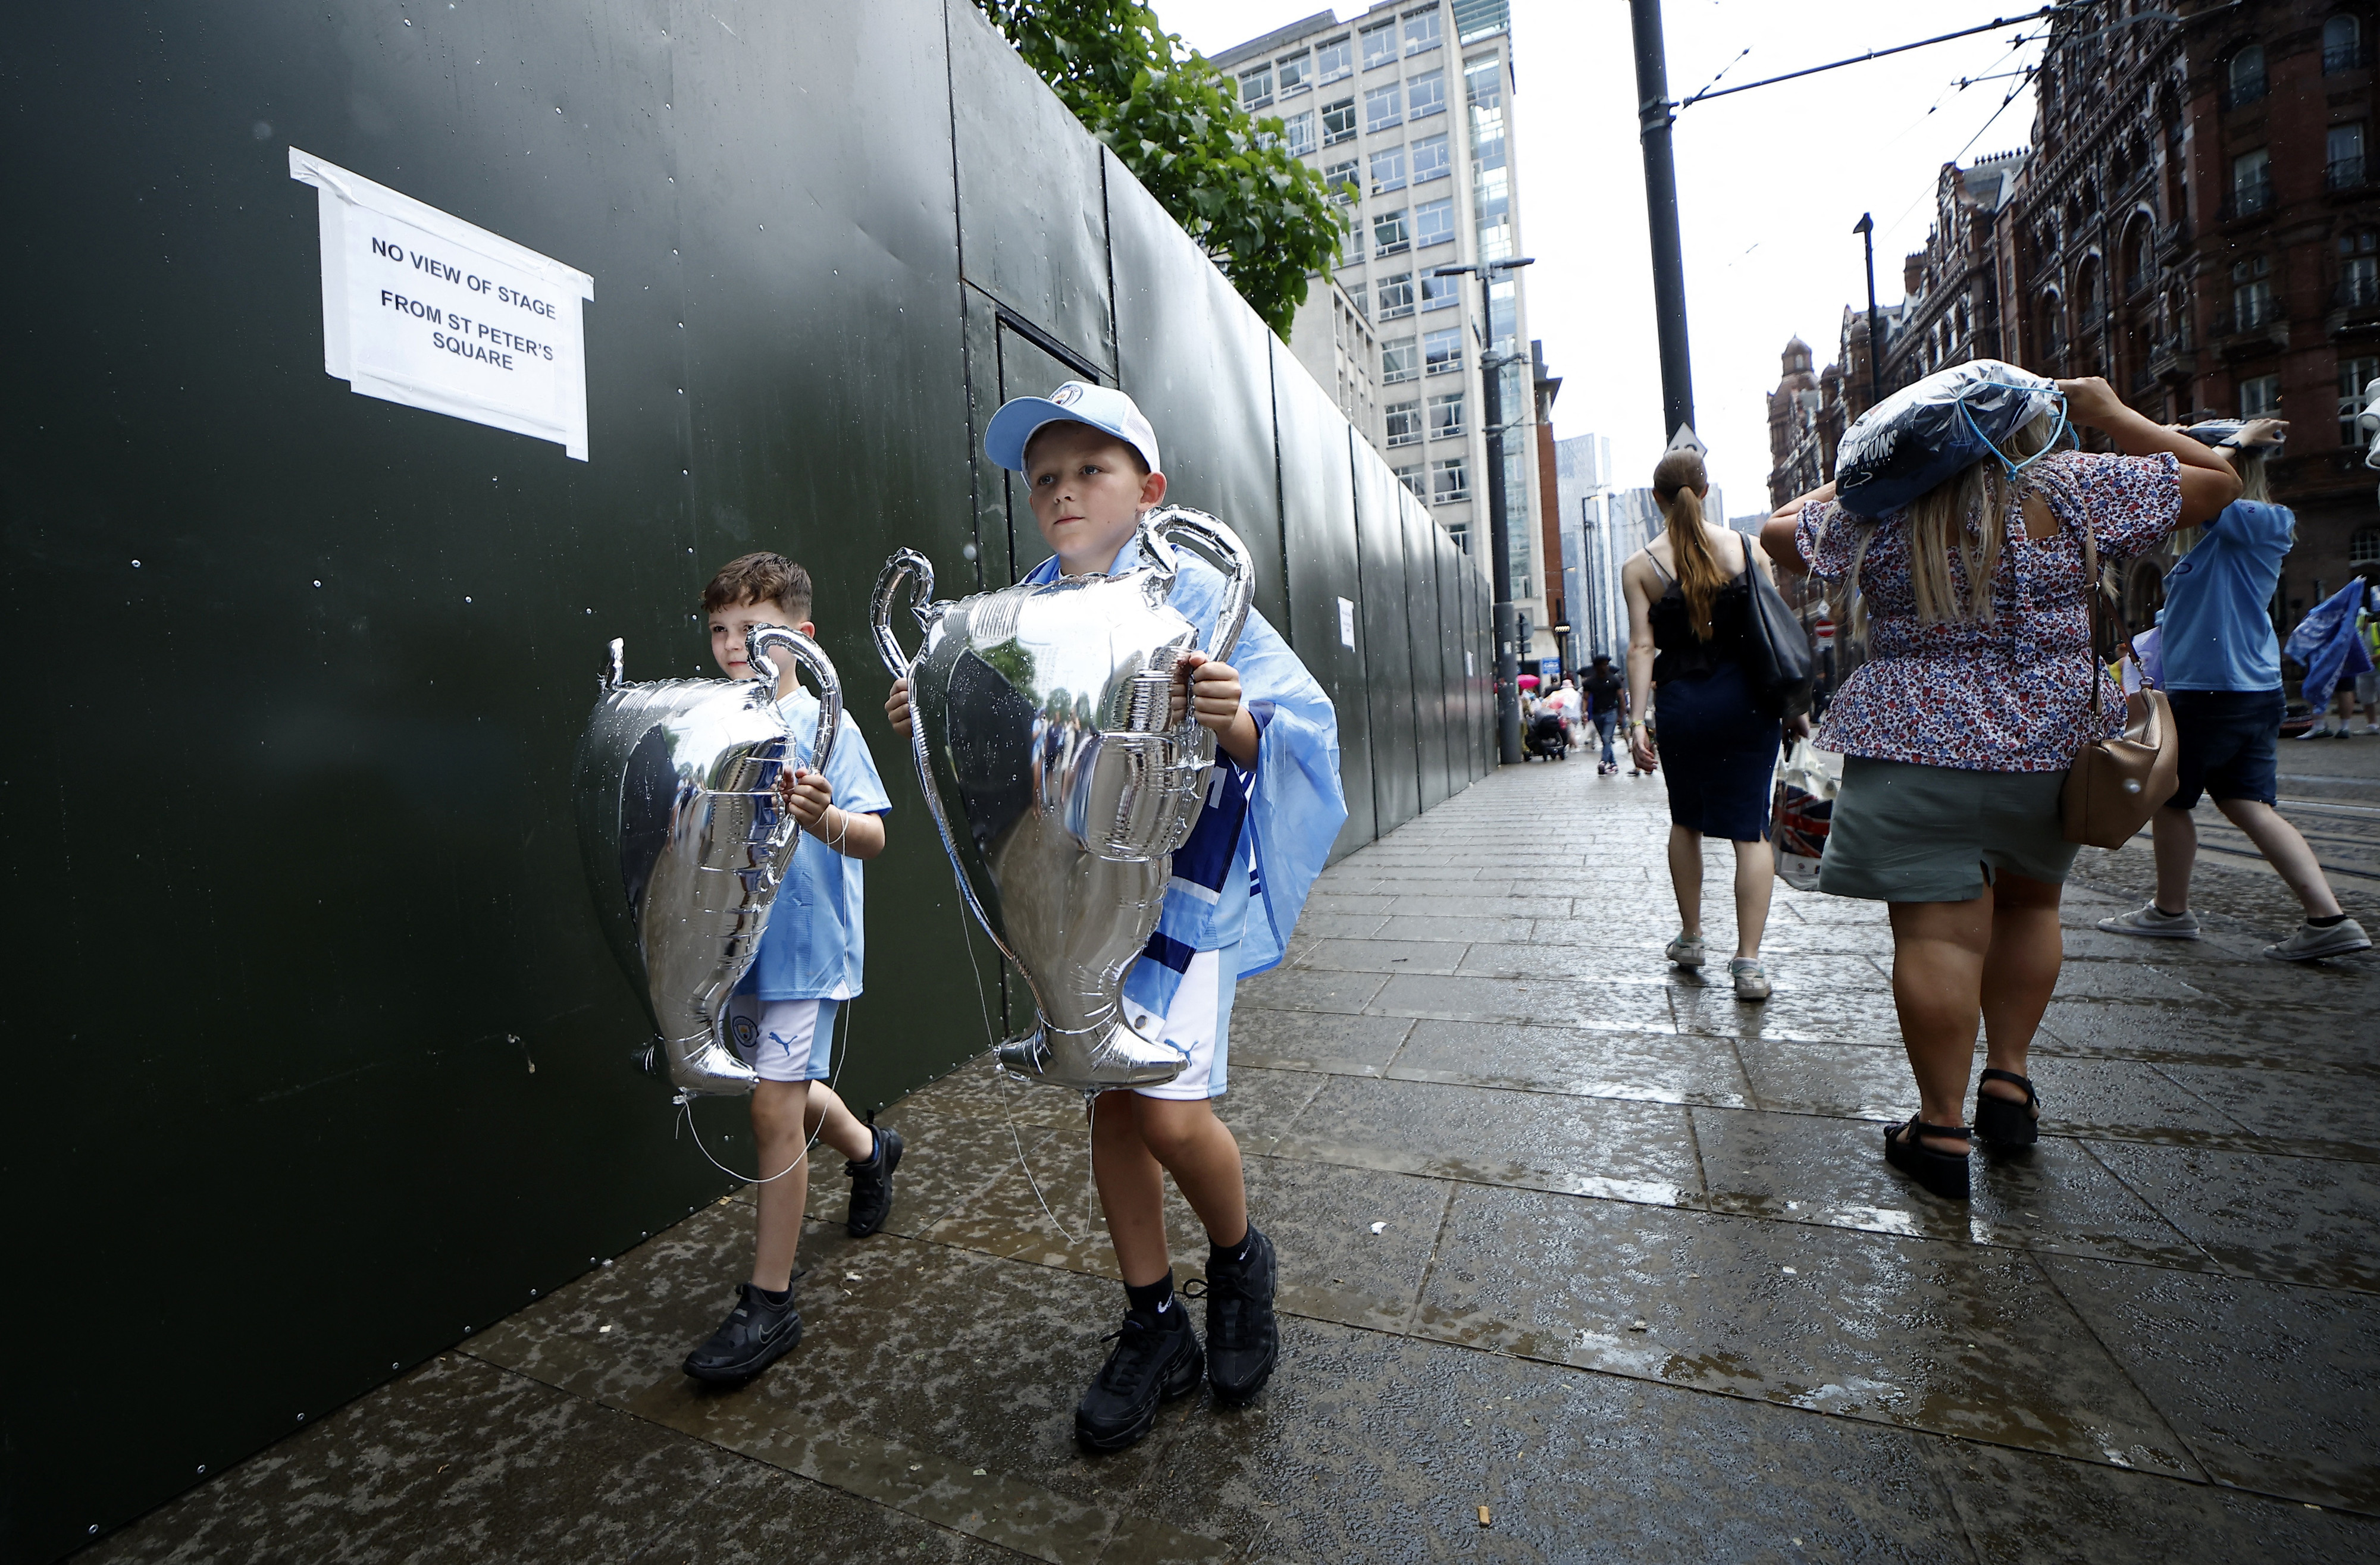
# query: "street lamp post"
1499,543
1866,229
1654,116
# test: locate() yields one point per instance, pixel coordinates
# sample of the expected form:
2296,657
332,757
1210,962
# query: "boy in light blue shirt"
1273,808
781,1016
2222,672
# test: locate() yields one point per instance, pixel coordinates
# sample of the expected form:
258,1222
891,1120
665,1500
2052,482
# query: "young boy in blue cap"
1273,808
781,1016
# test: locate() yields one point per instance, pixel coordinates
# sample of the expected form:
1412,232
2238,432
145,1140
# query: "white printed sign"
1469,672
421,307
1346,623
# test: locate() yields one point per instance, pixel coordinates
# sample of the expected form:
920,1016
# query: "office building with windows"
1405,110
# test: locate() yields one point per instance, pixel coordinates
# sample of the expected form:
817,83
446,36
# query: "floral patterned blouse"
2011,695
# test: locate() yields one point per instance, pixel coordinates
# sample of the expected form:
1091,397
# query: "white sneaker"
2312,940
1683,952
2148,920
1750,977
2316,732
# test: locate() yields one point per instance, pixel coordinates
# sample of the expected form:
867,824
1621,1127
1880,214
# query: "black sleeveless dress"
1717,749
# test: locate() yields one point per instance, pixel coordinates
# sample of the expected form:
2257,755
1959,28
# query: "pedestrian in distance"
1689,605
1272,809
1606,703
1958,731
781,1017
2222,672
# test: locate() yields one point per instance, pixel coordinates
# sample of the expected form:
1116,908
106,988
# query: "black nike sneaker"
755,1335
872,1184
1156,1359
1243,1338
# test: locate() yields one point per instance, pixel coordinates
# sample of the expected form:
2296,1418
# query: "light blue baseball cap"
1102,407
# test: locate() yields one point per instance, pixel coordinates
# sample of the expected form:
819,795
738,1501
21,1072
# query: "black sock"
2332,922
1218,1255
2162,913
1155,1299
779,1299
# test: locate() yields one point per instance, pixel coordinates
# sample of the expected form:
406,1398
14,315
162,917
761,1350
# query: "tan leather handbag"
2116,784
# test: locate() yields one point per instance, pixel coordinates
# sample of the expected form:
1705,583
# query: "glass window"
1450,480
1345,180
1339,122
1300,131
2363,548
1388,170
1426,95
2359,272
1446,416
1404,423
1294,73
1442,351
1430,160
2252,182
1379,44
2343,150
1415,480
1483,79
1354,292
1422,30
1390,236
1255,87
1395,296
1384,106
1399,361
2260,397
1440,293
1491,192
2354,376
2244,83
1433,222
2342,44
1333,61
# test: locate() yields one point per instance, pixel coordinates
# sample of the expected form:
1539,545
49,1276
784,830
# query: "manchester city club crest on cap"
1067,394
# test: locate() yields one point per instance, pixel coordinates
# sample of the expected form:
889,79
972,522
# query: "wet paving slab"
1565,1233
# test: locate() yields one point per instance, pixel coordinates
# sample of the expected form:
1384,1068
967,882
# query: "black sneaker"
1156,1359
872,1184
755,1335
1243,1338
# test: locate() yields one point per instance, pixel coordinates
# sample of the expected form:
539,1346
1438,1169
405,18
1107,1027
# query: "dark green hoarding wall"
320,1058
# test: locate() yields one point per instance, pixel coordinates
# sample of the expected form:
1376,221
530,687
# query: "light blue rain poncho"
1242,878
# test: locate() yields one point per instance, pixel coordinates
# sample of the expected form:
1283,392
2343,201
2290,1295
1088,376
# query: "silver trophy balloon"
687,837
1041,717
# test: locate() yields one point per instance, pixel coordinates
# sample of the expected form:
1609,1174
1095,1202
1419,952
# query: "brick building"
2194,221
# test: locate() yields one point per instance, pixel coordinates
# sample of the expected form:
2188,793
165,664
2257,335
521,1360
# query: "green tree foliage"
1265,218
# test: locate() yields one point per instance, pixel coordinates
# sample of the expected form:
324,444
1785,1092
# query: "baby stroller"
1548,736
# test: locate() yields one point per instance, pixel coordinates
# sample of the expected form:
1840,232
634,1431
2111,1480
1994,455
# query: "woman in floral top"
1958,731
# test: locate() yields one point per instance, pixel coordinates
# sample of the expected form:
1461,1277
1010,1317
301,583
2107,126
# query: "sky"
1769,184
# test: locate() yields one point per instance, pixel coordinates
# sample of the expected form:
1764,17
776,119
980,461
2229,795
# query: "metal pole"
1866,229
1500,546
1654,118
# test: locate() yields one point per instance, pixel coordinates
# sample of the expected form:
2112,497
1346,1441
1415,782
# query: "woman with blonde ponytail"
1689,606
1958,731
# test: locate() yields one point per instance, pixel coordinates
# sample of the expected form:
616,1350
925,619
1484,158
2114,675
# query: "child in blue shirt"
2222,672
1273,808
781,1016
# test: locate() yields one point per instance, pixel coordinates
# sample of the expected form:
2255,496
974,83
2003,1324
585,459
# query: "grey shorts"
1903,833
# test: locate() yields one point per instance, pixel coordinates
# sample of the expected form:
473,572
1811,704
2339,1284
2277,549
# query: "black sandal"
2004,1122
1944,1173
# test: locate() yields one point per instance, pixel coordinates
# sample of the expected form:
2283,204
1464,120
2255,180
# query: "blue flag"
2327,643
